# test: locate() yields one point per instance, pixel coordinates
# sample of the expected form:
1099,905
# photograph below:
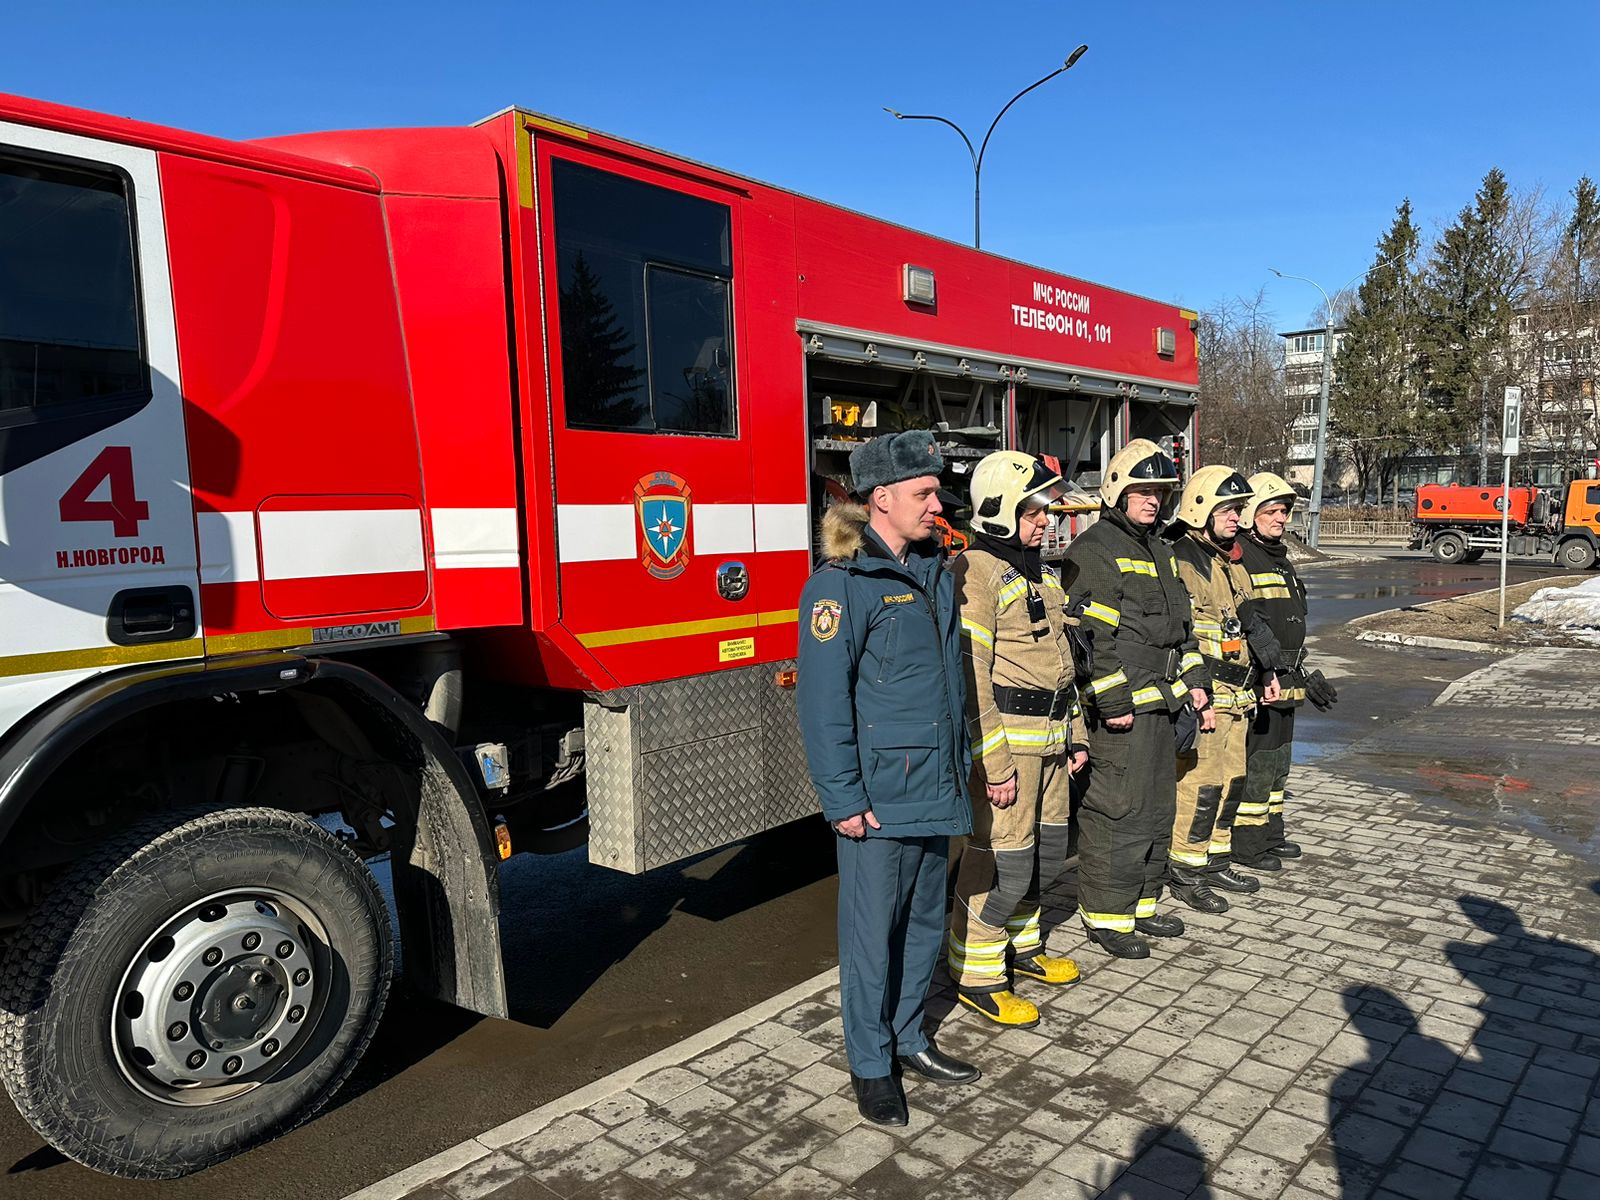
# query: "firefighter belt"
997,886
1210,790
1126,821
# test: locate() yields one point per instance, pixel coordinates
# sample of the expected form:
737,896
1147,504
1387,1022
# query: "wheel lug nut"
251,941
269,1047
197,1060
177,1031
302,977
183,991
296,1013
285,949
231,1067
211,957
260,979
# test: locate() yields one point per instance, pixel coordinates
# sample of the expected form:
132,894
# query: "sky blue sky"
1194,146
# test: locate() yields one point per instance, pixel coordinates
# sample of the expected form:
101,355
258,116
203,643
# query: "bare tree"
1558,360
1244,416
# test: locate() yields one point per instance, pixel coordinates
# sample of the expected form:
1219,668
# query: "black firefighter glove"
1082,639
1320,692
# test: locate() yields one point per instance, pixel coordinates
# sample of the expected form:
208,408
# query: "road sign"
1511,429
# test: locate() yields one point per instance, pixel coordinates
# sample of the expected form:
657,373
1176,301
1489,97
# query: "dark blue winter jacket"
881,693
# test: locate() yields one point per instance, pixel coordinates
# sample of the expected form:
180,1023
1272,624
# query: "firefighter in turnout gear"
1258,831
1146,668
1238,650
1027,739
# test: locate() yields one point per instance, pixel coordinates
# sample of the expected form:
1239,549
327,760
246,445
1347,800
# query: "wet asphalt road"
604,969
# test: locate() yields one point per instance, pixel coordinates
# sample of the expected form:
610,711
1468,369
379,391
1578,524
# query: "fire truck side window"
645,305
71,360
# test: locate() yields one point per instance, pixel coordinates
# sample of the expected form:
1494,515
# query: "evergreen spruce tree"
601,382
1373,398
1468,306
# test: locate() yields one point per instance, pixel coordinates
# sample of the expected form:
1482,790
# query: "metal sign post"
1510,439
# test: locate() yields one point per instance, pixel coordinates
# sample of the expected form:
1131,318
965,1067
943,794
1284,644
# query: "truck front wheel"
1576,555
1449,548
192,987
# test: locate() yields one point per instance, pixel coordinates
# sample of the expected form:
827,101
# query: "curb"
447,1162
1431,643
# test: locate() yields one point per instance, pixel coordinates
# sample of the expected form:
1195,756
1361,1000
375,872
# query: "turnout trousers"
891,925
1125,821
1269,753
1011,852
1210,790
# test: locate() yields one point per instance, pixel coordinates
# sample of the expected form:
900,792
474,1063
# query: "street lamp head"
898,116
1075,56
1276,272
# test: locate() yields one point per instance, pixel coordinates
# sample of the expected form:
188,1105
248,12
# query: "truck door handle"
155,614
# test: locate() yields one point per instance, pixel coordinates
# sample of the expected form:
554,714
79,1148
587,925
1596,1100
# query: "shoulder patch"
906,598
1009,575
825,615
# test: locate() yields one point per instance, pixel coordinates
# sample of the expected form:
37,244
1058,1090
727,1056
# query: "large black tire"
1575,555
73,1023
1449,548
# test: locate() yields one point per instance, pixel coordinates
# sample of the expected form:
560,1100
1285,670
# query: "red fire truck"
429,494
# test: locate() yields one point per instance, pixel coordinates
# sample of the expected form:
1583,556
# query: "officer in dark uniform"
882,709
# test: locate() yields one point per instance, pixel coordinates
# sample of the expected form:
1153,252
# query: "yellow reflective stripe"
988,743
1189,858
1268,578
1115,679
1230,701
1122,922
1253,809
977,633
1180,690
1136,566
1101,612
1210,645
1012,591
1036,737
1189,662
1146,695
979,949
1050,581
1146,907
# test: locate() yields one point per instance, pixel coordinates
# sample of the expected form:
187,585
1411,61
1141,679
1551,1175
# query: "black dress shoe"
1160,925
1120,944
880,1100
1230,880
933,1064
1287,850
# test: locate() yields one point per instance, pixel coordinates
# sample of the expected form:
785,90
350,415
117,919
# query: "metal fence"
1374,532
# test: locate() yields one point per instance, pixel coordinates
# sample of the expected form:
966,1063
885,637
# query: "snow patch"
1574,611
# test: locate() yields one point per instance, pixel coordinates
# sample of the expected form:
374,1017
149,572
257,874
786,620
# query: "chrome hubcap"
221,997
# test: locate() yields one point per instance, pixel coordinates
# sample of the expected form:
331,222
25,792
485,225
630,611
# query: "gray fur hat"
893,458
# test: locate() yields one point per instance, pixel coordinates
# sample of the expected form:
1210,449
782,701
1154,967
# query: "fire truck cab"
423,496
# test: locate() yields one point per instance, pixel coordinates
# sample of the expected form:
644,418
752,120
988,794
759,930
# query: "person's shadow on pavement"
1376,1106
1174,1164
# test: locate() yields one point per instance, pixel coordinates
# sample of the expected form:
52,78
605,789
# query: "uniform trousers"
1210,790
891,925
1011,851
1269,753
1125,821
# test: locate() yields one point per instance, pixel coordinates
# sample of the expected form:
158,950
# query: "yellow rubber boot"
1003,1008
1046,969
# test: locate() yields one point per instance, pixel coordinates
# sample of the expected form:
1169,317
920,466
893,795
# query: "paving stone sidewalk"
1413,1010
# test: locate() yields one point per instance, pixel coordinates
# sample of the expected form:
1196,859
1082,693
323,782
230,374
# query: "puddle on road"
1564,811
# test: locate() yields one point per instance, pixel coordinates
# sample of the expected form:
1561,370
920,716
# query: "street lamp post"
977,155
1314,525
1314,522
